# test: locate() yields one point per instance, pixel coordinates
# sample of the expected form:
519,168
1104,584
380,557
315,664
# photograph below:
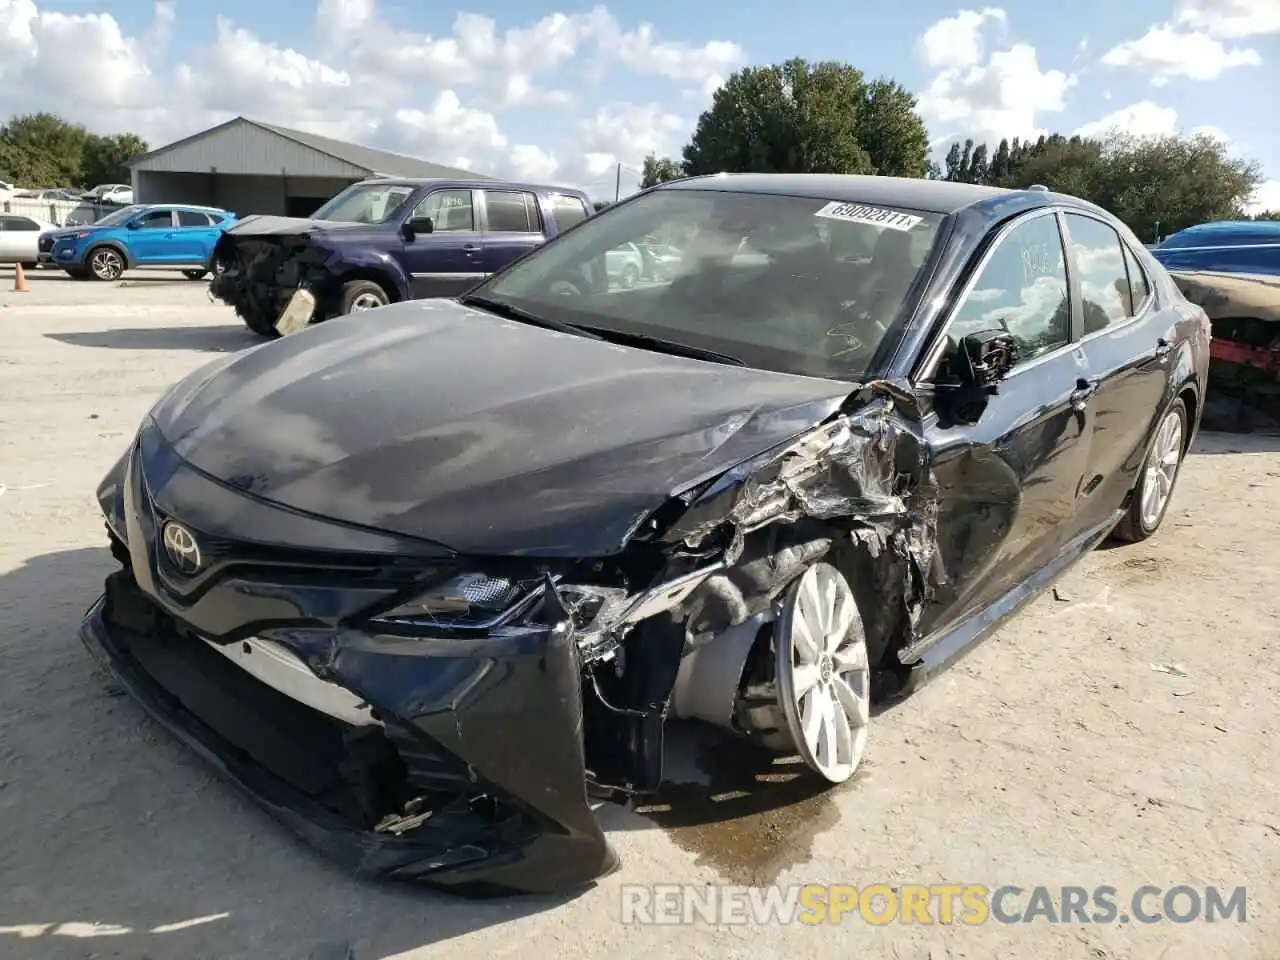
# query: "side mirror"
416,225
972,374
132,225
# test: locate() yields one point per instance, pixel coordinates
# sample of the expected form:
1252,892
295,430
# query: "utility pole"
617,184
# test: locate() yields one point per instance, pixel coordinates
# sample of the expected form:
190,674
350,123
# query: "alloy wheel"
824,673
106,264
1161,468
366,301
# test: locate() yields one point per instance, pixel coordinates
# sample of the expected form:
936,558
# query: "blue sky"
617,90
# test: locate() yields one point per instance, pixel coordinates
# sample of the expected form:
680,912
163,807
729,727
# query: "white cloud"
957,41
1143,119
1266,197
1231,18
981,95
1166,52
443,95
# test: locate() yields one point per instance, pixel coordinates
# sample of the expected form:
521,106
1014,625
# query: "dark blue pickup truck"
384,240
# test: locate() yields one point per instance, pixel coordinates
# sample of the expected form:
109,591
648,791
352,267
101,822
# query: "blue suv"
139,235
383,240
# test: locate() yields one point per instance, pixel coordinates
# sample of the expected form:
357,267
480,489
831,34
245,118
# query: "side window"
156,220
193,218
21,223
567,211
1139,288
1104,282
451,211
511,212
1022,288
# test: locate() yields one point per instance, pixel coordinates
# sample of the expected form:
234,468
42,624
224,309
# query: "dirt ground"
1122,733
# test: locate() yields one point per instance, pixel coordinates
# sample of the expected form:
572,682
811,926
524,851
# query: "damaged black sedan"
428,588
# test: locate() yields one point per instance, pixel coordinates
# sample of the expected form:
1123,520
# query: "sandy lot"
1123,733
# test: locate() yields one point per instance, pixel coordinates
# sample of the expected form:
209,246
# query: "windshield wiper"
673,347
510,312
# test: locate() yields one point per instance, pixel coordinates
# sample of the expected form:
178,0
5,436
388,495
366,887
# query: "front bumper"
491,745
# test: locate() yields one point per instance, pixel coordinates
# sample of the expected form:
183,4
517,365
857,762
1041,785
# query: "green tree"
50,149
658,170
1267,215
799,117
105,159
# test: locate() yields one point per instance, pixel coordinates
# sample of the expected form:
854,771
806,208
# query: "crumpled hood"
489,436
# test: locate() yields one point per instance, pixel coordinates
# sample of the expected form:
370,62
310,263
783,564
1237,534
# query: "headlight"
468,600
592,608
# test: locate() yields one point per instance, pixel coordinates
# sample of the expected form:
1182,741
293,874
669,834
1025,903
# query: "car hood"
489,436
265,225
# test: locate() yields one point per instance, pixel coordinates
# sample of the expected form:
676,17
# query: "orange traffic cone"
19,279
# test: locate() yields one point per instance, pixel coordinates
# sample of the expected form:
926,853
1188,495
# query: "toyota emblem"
182,549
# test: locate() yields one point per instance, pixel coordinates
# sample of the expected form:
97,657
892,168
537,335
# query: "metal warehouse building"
250,167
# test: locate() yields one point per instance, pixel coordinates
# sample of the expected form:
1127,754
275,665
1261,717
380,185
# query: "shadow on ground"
117,842
1212,443
215,338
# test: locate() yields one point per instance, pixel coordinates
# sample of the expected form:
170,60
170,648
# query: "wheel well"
376,276
128,260
1188,397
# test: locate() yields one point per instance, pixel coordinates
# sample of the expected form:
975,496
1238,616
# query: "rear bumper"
489,741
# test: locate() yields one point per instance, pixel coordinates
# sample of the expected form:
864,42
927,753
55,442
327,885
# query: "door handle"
471,247
1163,348
1085,389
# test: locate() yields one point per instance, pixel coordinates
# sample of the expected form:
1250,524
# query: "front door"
1128,344
447,261
150,242
512,226
1008,484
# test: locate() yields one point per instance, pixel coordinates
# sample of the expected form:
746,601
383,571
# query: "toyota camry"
428,582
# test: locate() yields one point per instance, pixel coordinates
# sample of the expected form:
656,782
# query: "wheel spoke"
853,701
814,710
825,747
803,640
806,678
841,621
851,656
811,615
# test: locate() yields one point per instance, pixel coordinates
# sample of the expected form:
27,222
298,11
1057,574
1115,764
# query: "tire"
106,264
30,265
360,295
258,322
630,276
195,274
1158,478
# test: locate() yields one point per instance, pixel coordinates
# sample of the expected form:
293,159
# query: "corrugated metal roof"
373,162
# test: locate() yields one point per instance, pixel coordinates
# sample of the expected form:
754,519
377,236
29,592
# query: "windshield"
365,203
117,217
791,284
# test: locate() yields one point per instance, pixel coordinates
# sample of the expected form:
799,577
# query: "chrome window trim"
932,356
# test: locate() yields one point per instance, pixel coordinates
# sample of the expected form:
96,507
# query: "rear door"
1128,344
567,211
150,241
1008,483
194,236
446,262
512,226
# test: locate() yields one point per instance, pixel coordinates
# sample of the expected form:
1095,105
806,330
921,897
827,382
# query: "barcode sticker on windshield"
876,216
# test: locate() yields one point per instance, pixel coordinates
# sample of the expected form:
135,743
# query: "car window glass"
450,211
1104,282
567,211
155,220
21,223
192,218
1022,288
4,222
1138,287
508,212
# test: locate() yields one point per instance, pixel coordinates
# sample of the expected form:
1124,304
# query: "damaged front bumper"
477,744
273,281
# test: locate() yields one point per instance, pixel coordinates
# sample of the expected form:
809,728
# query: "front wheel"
360,295
106,263
1159,473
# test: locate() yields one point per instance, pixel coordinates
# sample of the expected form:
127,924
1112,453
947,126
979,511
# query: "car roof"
931,196
1221,230
474,184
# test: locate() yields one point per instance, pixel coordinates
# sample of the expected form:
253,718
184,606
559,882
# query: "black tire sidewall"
356,288
1179,409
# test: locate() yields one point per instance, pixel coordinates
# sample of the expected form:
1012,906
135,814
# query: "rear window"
567,211
511,211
